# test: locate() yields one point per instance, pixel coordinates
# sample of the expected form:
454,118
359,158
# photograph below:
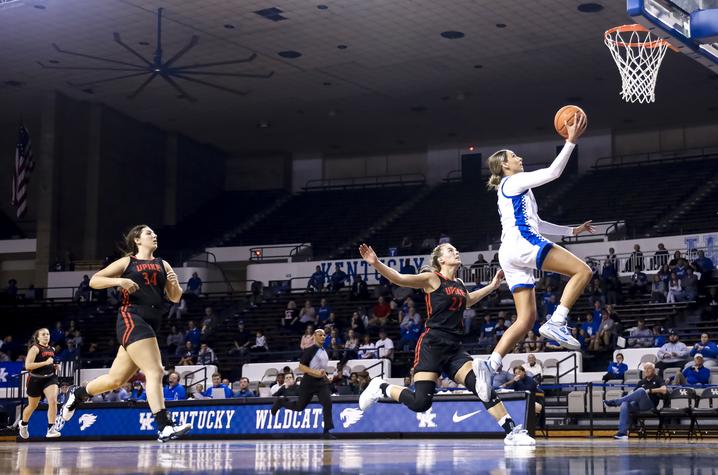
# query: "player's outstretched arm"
425,280
478,295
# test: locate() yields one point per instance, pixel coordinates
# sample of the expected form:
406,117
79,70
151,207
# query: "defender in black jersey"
439,348
144,281
41,380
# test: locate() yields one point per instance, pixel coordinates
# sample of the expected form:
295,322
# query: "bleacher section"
700,216
8,228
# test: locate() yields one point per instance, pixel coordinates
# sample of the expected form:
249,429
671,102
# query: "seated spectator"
116,395
469,316
307,314
217,388
84,292
357,323
531,343
635,261
487,337
680,268
70,353
595,293
385,346
639,283
76,339
289,388
616,369
323,312
57,334
644,397
660,257
675,290
379,313
359,291
334,345
351,346
189,355
705,266
673,354
174,391
332,323
278,383
640,336
64,391
658,290
257,297
659,338
410,336
244,390
708,349
501,378
590,329
337,281
307,340
193,335
177,310
206,355
697,375
367,350
690,285
500,327
175,340
406,246
242,340
444,238
138,391
194,285
317,280
428,243
260,342
534,367
354,383
522,383
604,337
290,320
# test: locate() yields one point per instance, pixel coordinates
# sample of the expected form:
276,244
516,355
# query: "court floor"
386,456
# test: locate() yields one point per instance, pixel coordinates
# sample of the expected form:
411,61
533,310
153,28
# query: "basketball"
565,115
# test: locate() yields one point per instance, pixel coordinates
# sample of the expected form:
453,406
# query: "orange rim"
635,27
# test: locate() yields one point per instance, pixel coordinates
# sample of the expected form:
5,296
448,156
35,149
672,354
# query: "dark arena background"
261,142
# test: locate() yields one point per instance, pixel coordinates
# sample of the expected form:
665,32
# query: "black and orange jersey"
44,353
445,306
151,277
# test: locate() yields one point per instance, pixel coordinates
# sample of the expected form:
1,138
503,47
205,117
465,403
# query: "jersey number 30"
150,278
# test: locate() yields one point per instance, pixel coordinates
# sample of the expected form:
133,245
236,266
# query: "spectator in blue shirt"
338,280
486,338
193,334
409,336
597,311
323,312
707,349
697,375
616,369
138,392
316,281
705,266
174,391
407,267
194,285
244,390
217,384
57,334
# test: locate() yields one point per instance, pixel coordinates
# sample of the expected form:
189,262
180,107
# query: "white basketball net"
638,55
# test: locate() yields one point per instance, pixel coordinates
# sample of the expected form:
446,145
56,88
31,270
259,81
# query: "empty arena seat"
577,402
612,394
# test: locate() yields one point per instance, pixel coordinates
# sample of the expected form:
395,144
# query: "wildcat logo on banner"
9,374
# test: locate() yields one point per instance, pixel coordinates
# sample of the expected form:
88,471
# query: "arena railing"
627,261
257,254
653,158
364,182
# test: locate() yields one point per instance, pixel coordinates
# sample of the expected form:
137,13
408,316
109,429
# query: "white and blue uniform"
523,248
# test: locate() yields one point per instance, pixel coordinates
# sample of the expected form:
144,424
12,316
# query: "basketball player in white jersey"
523,249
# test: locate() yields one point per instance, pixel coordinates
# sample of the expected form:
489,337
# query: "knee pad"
493,401
420,400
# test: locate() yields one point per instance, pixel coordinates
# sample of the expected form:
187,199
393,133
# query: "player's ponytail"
495,162
434,266
129,245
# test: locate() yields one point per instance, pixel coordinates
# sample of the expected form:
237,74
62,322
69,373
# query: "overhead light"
264,124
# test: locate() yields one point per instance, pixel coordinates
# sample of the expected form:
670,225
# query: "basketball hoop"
638,55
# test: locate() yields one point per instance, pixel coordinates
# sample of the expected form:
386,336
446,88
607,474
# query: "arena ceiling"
347,75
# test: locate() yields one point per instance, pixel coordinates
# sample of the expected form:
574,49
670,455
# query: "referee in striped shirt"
313,363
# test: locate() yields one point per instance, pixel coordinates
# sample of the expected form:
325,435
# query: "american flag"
24,164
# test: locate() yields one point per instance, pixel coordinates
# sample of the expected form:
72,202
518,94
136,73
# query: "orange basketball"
565,115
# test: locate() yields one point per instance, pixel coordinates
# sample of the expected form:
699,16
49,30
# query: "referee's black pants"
309,387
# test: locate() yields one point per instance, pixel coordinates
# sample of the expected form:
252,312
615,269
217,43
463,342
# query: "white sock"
495,361
24,423
503,420
559,316
388,389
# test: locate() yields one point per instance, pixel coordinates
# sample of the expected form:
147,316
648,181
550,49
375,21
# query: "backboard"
689,25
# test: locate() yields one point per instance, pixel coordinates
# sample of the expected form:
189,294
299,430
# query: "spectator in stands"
174,391
407,267
260,342
616,369
307,340
70,353
138,391
673,354
341,375
410,335
531,343
84,292
680,268
244,390
697,374
674,261
534,367
257,297
487,338
379,313
117,395
193,335
665,274
614,315
338,280
206,355
334,345
333,322
210,319
385,346
639,283
189,354
658,290
635,261
175,340
217,388
359,291
713,303
606,331
595,293
77,339
640,336
323,312
501,327
428,243
357,323
178,309
612,258
708,349
63,392
480,262
289,388
590,328
242,340
308,315
194,285
351,346
317,280
290,320
690,285
520,382
494,264
278,383
57,334
610,283
501,378
675,290
705,266
469,316
646,396
11,290
367,350
660,257
659,339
